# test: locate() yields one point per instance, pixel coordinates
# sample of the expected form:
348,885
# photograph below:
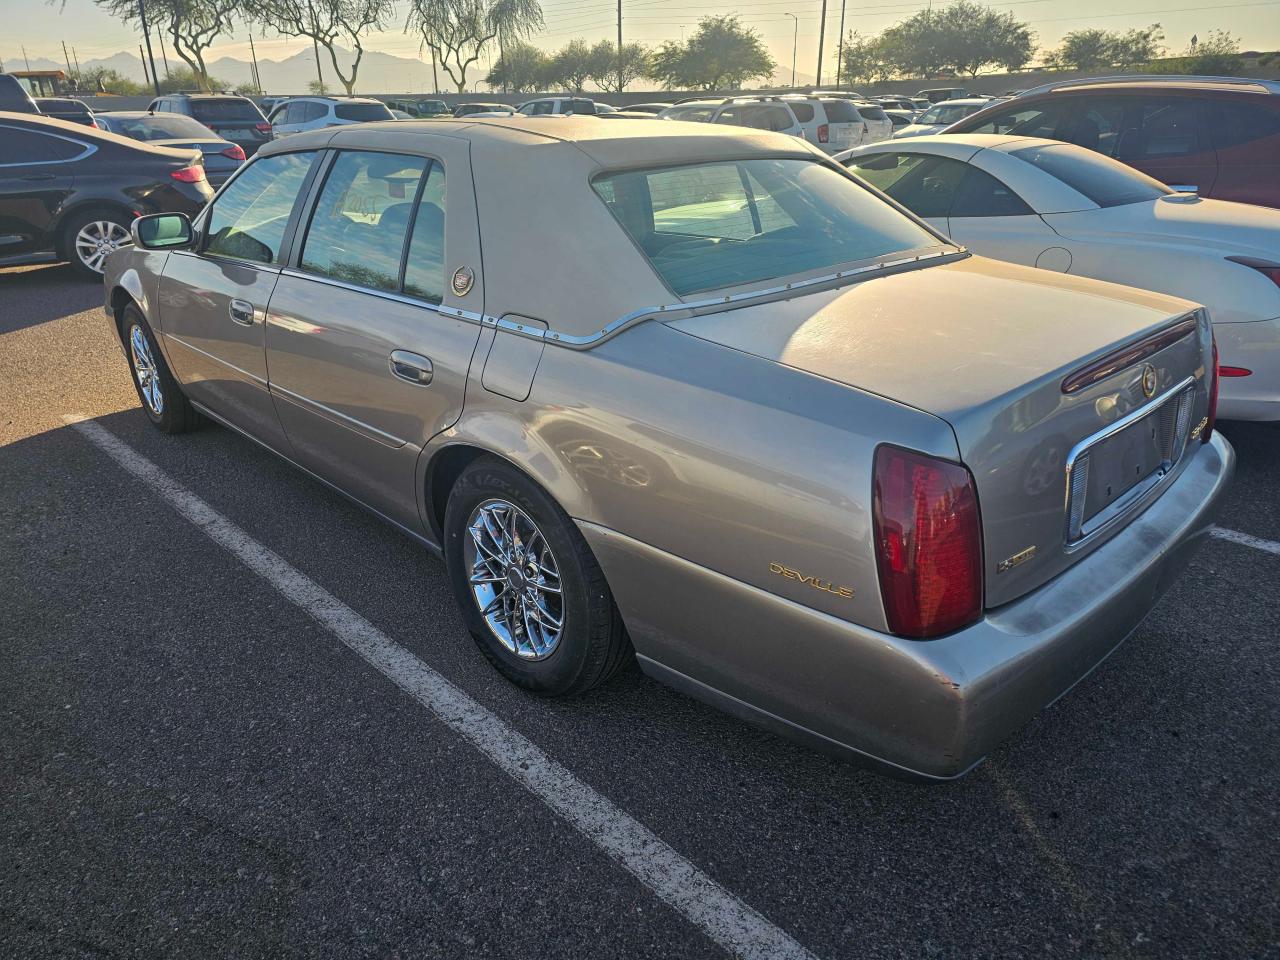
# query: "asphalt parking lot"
193,764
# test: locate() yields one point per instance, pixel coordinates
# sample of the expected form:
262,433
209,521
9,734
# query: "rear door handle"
241,312
1184,188
412,367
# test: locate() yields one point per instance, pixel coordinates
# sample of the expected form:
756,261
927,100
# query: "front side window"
1106,182
358,230
248,220
711,225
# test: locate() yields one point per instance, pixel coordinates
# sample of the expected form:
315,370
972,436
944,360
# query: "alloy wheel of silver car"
514,579
144,368
96,239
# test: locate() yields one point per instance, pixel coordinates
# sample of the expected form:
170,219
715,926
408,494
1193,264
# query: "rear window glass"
362,111
170,126
803,112
841,111
711,225
229,109
1107,182
873,113
696,114
947,112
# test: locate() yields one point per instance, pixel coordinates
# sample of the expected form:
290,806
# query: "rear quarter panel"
726,460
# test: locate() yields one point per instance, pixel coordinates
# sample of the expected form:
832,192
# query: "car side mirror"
162,231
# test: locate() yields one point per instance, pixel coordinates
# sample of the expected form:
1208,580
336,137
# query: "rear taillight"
235,152
1212,416
191,174
1268,268
824,133
262,127
928,543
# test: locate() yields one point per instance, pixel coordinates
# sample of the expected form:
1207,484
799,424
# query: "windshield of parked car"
948,112
170,126
229,109
1107,182
362,111
711,225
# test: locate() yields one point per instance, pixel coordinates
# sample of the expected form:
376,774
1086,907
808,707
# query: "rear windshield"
841,111
362,111
710,225
948,112
229,109
803,111
873,113
167,126
1107,182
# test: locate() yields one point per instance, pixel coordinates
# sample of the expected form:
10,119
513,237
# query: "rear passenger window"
358,230
26,146
1161,128
424,272
248,219
1237,123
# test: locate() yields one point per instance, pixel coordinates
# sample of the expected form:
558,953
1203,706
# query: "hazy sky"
1256,22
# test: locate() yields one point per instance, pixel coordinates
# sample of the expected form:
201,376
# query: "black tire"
76,222
175,413
593,645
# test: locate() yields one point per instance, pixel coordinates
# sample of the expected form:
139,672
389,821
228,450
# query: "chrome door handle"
412,367
1184,188
241,312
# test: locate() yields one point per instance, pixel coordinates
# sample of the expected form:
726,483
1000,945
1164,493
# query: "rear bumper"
929,709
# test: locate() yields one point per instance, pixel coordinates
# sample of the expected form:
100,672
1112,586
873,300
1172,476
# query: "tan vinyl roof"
552,250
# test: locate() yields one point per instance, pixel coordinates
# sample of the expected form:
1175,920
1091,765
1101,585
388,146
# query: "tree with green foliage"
103,80
184,78
864,60
613,72
571,66
1217,56
522,68
329,23
720,55
1093,48
459,31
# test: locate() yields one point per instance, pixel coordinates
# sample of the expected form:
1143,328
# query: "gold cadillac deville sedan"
697,393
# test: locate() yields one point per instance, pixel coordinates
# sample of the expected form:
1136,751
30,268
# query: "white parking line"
718,913
1235,536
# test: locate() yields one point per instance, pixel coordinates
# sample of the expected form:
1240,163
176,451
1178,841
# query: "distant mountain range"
379,72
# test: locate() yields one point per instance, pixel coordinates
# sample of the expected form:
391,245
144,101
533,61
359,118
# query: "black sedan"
70,192
221,157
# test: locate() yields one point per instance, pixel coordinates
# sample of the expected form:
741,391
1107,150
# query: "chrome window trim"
1141,493
573,342
89,148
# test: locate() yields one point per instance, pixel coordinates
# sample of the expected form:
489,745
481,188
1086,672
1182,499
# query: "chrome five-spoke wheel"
96,239
514,579
144,368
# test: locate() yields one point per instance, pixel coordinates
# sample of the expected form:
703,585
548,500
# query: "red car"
1217,136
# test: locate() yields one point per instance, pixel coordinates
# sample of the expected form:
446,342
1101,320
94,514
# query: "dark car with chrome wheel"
70,192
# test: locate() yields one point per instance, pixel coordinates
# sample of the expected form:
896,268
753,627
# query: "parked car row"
831,123
806,456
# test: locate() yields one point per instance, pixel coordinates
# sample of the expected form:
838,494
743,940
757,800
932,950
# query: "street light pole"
795,39
840,49
822,37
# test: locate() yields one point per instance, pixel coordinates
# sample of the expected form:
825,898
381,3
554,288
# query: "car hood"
1233,228
946,339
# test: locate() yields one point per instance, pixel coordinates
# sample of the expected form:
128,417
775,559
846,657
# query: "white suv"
547,105
311,113
829,123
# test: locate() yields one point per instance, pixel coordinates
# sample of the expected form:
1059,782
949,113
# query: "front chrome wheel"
144,368
96,239
514,579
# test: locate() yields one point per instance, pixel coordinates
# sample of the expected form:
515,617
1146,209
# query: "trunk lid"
987,347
